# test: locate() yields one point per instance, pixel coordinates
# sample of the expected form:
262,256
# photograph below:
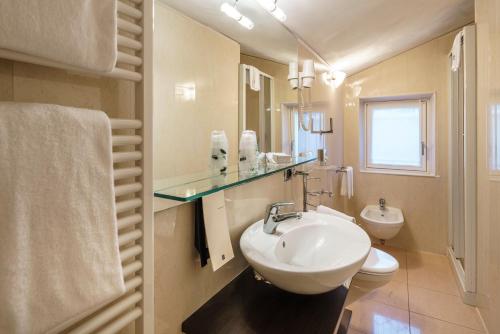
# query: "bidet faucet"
273,217
381,203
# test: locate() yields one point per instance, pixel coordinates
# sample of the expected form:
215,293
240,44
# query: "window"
494,138
307,143
397,135
295,140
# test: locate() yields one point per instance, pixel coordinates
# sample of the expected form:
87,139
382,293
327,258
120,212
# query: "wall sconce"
302,79
308,74
293,75
334,78
186,92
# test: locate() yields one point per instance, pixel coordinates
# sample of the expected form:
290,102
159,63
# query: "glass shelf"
190,187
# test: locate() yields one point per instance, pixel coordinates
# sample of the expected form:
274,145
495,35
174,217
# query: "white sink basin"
311,255
383,224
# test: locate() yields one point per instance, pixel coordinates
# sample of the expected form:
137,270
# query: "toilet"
378,270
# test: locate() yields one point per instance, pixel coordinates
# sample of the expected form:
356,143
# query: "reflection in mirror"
256,105
204,62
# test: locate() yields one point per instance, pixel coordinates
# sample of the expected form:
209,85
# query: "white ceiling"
268,39
354,34
350,35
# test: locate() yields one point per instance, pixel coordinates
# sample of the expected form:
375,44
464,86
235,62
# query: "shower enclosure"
256,109
462,165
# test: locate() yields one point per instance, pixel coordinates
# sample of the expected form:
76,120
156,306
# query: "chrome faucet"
273,217
381,203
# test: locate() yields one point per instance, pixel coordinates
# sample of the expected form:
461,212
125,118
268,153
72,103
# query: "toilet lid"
379,262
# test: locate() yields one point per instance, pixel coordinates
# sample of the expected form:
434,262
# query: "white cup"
248,151
218,151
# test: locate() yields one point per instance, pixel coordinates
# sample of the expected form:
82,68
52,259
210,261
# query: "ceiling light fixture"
235,14
334,78
272,7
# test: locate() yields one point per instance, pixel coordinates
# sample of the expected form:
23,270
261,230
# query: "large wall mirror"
213,73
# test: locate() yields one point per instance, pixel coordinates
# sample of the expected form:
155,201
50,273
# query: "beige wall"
181,285
423,200
488,89
187,52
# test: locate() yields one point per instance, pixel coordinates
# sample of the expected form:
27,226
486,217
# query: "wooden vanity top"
248,306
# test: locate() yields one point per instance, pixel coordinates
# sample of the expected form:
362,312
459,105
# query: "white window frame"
427,135
494,149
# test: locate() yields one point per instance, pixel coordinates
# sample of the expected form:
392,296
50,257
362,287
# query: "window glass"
394,135
307,143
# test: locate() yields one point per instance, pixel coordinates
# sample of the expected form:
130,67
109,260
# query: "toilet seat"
379,263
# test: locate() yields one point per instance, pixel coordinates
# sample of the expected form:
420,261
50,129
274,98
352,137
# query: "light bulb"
338,77
234,13
279,14
246,22
271,7
334,78
231,11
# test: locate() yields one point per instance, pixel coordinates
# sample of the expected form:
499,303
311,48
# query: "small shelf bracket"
322,132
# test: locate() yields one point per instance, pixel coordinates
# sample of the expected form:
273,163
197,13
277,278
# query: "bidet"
382,222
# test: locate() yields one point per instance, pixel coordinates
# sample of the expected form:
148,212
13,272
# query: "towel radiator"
128,187
129,41
132,159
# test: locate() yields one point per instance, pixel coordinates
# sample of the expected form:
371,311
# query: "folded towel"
347,183
456,51
278,158
329,211
79,33
59,255
254,78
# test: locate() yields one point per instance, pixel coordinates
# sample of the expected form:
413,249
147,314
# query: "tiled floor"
421,298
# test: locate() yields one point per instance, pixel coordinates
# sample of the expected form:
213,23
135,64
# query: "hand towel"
347,183
254,78
79,33
456,51
59,255
329,211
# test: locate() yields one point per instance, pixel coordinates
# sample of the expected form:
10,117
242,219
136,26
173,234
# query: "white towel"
254,78
347,183
59,255
329,211
79,33
456,51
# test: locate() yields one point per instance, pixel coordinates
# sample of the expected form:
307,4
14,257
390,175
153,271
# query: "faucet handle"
381,203
276,206
280,204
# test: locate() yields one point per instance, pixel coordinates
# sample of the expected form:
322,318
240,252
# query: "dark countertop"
248,306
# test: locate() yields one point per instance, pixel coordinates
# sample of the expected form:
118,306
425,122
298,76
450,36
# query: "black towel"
200,240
